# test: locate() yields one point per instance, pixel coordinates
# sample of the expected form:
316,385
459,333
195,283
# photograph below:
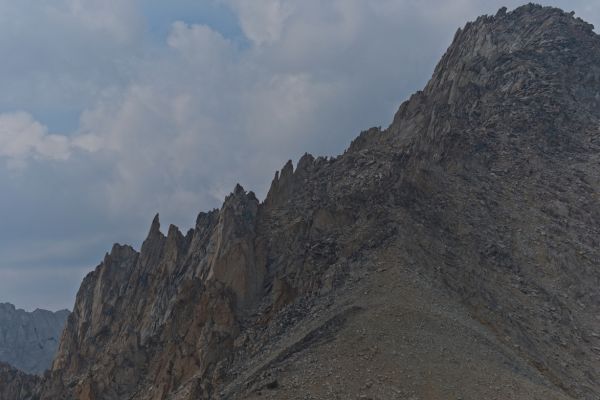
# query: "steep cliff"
29,340
451,255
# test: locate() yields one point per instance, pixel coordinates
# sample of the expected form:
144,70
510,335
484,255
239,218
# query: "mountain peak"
534,64
532,30
155,226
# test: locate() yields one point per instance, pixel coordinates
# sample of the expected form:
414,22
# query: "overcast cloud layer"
113,110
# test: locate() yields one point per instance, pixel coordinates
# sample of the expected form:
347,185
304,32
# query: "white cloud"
21,137
262,20
197,41
118,18
57,56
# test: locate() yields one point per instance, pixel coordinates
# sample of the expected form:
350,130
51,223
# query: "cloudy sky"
113,110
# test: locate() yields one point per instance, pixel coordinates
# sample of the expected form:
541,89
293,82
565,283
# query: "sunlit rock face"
451,255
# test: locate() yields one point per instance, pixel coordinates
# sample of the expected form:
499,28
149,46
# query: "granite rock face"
452,255
29,340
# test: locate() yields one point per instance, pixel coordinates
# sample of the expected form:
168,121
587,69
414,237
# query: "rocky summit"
29,340
453,255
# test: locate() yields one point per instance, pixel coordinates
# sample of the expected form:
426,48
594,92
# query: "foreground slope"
452,255
29,340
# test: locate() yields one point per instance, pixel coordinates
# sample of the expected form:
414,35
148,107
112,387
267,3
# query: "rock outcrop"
29,340
15,384
451,255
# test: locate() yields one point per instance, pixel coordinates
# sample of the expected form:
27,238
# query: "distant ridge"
29,340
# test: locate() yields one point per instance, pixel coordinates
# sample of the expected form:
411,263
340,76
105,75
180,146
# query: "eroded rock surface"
451,255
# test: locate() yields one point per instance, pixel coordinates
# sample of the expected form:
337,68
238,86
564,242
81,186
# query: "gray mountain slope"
29,340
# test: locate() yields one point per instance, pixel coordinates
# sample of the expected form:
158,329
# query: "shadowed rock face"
28,341
15,384
469,226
